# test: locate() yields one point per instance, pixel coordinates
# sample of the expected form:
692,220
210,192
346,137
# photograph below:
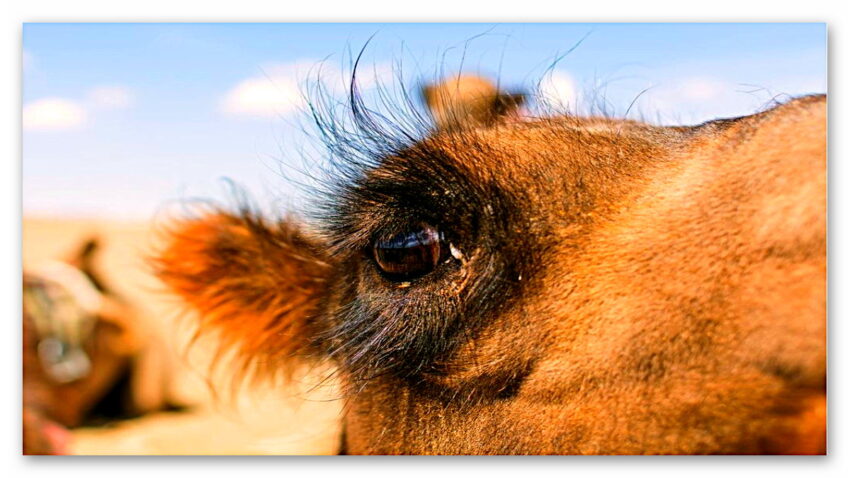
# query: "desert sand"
281,419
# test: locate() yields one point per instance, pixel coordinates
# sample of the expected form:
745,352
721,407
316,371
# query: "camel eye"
410,254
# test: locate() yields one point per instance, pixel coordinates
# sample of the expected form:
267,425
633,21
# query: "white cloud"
53,114
111,97
559,89
688,91
692,100
701,89
262,96
280,89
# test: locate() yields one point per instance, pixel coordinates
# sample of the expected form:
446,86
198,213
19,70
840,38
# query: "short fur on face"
613,287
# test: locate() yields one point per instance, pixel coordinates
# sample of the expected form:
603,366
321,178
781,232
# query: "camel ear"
257,286
469,101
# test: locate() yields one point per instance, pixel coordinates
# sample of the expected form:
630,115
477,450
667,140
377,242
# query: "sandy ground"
284,419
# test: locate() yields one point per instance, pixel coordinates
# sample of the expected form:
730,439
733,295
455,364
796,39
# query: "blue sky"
122,119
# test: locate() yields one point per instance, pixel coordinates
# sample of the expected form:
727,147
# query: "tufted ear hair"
255,285
468,101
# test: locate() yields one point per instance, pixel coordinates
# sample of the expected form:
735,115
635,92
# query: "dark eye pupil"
408,255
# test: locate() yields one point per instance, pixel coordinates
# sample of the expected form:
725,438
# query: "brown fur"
116,351
257,283
624,289
469,99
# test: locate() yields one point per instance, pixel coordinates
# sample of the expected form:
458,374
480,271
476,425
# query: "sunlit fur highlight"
510,350
257,284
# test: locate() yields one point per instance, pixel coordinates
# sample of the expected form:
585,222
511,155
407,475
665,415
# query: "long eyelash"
358,137
380,167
